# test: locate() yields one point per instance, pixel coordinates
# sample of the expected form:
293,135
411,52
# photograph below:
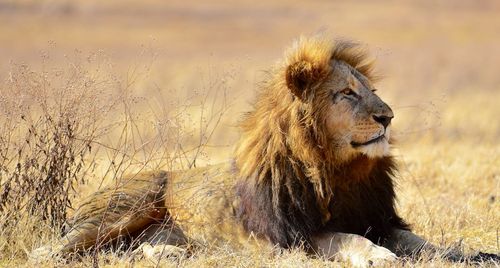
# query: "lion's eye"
348,92
374,89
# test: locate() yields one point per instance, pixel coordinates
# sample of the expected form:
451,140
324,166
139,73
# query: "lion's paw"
157,252
41,254
374,256
379,256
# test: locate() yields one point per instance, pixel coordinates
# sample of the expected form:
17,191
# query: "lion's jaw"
362,137
377,146
349,145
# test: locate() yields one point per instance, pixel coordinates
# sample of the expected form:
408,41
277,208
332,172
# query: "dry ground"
439,59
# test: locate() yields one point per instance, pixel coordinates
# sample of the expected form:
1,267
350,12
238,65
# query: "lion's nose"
383,119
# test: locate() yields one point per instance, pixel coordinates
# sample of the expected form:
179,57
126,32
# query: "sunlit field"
115,87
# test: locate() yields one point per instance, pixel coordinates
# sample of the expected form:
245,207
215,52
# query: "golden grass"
441,68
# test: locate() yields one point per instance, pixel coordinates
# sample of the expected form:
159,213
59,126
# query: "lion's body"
312,168
208,204
294,174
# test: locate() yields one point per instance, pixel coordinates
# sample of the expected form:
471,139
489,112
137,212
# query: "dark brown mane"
292,185
363,204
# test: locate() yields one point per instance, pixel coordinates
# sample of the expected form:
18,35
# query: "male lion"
312,168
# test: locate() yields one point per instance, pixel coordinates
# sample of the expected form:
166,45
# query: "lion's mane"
292,184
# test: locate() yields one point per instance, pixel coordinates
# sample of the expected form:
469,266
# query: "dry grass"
173,76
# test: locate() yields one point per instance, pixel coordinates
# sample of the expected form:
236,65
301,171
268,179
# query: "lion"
312,169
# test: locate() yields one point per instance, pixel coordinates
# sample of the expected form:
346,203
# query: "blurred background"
199,62
434,55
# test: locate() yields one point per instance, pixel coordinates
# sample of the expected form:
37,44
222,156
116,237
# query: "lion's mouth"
375,140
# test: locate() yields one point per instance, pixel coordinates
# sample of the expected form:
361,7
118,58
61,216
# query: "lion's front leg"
352,248
407,244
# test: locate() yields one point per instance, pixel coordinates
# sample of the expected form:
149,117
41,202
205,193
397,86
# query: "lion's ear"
301,76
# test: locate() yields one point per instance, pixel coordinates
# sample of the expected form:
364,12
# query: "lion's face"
331,82
357,120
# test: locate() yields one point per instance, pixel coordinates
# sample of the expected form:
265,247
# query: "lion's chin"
377,149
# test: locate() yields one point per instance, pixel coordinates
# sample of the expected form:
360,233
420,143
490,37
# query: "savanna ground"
94,89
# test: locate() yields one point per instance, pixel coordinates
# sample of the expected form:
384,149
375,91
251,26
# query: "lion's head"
317,124
333,80
319,109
